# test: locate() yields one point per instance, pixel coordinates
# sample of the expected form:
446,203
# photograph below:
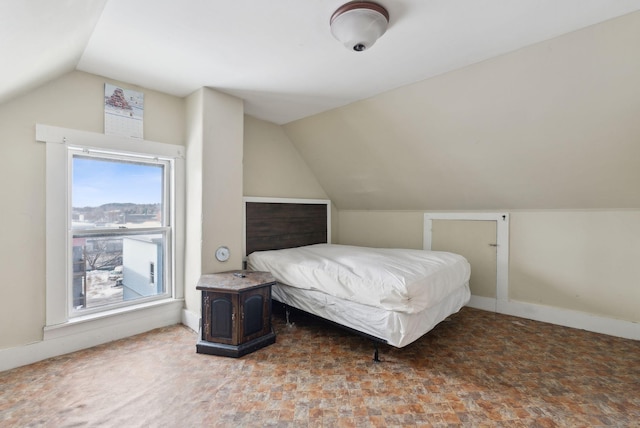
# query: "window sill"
150,312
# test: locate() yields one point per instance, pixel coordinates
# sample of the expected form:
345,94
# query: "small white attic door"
483,239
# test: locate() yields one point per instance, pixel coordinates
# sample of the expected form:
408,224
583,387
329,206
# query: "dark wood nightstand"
236,313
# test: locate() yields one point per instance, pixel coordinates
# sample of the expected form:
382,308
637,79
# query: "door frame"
502,253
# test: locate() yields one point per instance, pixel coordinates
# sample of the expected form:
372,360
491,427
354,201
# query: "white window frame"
165,229
58,193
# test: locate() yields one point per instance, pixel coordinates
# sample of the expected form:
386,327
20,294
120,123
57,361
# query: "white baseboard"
60,341
559,316
484,303
191,320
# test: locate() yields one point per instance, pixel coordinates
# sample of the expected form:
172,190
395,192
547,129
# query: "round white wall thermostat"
222,254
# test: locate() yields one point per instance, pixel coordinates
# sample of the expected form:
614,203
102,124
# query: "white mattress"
400,280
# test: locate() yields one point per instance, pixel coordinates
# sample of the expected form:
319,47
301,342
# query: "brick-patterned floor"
476,369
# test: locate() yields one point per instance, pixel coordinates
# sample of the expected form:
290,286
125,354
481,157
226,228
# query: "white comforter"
394,279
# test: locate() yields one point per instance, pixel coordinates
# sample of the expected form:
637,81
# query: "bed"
392,296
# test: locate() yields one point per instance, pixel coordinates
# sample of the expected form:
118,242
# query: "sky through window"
98,181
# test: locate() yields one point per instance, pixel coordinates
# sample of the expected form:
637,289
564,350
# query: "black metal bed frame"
375,340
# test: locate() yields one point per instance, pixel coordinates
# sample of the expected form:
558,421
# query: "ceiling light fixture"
358,24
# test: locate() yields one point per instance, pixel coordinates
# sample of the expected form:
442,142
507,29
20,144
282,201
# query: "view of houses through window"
119,230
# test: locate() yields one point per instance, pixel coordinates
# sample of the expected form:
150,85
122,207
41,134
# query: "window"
119,227
114,207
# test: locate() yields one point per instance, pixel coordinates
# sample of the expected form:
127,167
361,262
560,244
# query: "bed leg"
375,352
287,312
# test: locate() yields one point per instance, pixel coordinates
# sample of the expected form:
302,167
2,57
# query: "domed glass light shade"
358,24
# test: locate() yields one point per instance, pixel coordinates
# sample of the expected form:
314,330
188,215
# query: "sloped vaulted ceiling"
277,55
41,40
551,126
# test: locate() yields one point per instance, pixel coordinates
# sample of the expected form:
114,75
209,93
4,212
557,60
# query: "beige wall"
272,167
384,229
194,197
579,260
222,180
551,126
74,100
214,186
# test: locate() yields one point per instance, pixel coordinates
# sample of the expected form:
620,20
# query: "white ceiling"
277,55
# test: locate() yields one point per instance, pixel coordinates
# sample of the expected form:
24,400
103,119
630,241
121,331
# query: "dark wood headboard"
274,224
